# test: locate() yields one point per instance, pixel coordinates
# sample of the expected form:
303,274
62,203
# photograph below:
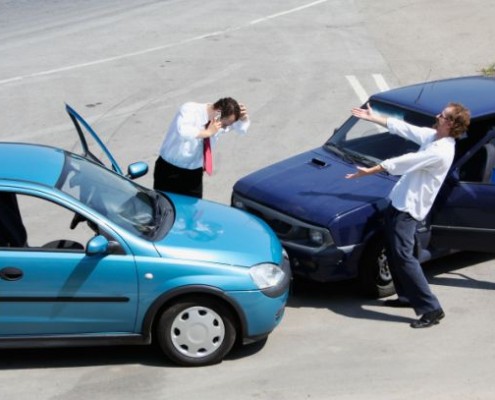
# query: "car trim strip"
62,299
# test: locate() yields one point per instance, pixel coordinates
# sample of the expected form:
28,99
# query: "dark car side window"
478,166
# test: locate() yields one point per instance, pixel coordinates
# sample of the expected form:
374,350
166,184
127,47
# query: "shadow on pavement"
81,357
246,350
344,298
442,272
69,357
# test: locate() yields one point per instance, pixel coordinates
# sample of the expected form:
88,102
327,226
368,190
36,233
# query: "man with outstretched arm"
422,175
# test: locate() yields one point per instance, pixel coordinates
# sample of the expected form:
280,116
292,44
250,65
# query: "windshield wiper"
335,148
158,211
339,150
352,156
357,157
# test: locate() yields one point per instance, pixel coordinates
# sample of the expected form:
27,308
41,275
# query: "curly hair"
460,117
228,106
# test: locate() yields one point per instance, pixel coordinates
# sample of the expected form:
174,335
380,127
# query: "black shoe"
397,303
429,319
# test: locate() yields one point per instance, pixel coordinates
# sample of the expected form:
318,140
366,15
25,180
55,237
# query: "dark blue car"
332,227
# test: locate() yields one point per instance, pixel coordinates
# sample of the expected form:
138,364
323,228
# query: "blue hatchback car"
88,257
332,227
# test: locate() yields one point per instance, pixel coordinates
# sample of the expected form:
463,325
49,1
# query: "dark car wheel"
374,273
196,331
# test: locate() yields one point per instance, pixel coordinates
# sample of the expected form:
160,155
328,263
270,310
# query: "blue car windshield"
368,143
141,211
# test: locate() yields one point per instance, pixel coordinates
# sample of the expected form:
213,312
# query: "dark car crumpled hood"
312,187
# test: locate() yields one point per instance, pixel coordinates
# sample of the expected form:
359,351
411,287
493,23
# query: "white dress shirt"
181,146
423,172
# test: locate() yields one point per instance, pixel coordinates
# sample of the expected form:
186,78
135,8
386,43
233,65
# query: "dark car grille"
281,228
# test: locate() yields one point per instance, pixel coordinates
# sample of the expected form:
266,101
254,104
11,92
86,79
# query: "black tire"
374,273
196,331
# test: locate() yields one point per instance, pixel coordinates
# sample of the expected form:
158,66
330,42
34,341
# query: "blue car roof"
31,163
474,92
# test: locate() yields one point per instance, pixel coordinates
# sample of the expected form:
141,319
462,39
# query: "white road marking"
380,82
293,10
158,48
358,88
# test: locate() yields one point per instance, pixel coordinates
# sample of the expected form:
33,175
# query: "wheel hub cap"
197,332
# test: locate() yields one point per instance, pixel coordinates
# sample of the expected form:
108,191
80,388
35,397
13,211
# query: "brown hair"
460,117
228,106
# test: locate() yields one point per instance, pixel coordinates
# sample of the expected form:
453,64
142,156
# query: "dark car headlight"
291,231
320,237
238,203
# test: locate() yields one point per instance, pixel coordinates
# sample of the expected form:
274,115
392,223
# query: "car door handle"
11,274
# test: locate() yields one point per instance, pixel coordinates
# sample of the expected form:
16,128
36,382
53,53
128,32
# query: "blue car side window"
12,230
36,223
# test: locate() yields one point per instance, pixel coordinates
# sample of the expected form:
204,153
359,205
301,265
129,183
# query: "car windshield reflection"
368,143
141,211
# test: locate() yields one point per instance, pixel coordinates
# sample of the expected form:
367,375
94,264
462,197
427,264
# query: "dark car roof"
31,163
474,92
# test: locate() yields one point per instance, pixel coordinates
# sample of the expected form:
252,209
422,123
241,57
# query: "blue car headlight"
267,275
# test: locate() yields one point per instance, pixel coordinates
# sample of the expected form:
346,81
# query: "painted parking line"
293,10
359,89
380,82
160,48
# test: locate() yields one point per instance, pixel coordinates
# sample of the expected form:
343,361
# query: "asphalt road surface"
299,66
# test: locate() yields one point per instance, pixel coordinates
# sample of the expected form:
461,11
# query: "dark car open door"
464,217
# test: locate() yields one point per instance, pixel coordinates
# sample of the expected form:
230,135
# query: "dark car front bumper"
329,264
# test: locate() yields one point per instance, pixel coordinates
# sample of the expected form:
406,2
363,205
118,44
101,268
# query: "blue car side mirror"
97,246
137,169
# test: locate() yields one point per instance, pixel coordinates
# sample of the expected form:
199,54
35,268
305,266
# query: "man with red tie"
186,150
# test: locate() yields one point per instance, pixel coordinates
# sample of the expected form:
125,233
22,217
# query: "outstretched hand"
361,171
369,115
363,113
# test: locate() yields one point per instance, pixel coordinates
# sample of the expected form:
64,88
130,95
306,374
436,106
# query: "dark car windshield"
141,211
368,143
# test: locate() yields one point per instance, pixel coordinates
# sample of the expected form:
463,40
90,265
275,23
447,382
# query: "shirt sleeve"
239,126
187,122
430,158
419,135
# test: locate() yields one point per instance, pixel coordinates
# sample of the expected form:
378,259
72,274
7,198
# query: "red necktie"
207,158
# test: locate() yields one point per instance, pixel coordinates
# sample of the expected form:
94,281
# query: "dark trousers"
169,178
409,280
